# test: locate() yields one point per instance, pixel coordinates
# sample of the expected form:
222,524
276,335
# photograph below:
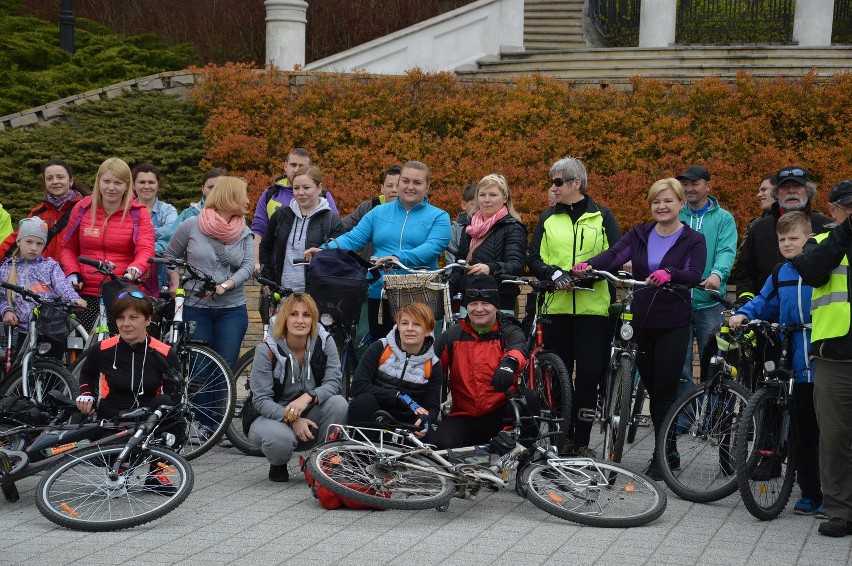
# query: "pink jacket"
109,238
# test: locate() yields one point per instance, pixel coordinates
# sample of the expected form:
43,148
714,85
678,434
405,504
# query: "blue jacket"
417,236
790,303
720,233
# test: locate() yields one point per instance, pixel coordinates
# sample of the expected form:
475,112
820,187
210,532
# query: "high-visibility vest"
830,308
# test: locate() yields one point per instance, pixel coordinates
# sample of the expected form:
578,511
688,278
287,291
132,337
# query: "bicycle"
101,476
393,469
765,450
546,373
212,392
29,373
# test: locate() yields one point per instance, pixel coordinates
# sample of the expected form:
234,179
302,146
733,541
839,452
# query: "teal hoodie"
720,233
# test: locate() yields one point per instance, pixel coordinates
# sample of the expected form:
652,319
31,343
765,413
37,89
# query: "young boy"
786,298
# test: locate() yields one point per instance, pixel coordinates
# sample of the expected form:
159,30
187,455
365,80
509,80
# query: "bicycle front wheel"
765,454
618,411
234,432
592,493
44,375
387,478
79,492
696,441
211,398
636,415
554,389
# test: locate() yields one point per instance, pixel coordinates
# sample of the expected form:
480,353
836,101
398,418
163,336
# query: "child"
461,221
787,298
42,275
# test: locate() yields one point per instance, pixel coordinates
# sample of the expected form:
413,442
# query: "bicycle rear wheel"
698,434
44,375
78,492
386,478
234,432
211,397
618,412
765,454
552,383
593,493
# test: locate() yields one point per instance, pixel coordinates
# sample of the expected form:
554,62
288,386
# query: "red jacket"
109,238
471,360
50,215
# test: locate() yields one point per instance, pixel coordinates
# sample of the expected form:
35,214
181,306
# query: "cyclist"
661,251
295,384
400,373
482,354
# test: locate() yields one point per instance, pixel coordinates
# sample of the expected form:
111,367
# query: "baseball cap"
792,173
841,193
695,172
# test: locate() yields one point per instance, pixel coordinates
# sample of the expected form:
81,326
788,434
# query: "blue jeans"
222,329
704,322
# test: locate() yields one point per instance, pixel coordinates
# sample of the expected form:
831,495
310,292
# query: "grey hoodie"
293,277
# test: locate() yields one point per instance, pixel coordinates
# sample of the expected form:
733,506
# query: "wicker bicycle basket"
428,288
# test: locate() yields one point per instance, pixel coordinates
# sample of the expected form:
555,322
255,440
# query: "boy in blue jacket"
787,299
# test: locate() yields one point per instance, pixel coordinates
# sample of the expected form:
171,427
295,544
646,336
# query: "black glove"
504,376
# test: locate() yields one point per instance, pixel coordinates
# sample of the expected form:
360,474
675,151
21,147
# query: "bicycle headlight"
190,326
326,319
43,348
626,332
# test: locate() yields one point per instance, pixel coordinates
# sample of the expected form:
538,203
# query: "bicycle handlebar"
394,264
275,287
36,297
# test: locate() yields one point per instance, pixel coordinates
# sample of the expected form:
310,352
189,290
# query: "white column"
285,33
812,22
657,23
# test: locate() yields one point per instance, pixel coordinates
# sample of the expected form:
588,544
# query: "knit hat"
482,288
34,226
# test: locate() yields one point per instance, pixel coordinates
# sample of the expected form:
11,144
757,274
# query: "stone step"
752,52
622,76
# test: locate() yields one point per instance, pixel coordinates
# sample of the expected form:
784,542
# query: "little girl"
43,275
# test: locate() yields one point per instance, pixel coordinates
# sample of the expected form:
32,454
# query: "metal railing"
728,22
617,21
841,29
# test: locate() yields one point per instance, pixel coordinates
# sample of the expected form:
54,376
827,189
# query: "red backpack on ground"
330,500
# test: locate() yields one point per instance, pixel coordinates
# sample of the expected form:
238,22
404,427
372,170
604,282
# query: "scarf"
59,201
479,226
213,225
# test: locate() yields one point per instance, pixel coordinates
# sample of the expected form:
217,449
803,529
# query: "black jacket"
759,253
815,265
320,228
503,250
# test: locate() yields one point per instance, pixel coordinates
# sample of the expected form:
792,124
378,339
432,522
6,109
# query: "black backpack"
338,283
24,410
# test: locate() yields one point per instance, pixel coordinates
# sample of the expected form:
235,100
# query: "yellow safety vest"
830,308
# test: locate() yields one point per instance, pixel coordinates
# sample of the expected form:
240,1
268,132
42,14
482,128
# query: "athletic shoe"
836,527
654,472
820,512
805,506
586,452
158,482
279,473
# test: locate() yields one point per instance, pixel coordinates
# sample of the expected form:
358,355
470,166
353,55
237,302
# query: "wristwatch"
224,285
314,398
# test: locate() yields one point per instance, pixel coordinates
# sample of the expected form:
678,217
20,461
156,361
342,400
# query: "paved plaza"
234,515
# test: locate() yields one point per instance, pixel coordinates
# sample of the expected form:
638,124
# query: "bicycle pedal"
642,420
587,415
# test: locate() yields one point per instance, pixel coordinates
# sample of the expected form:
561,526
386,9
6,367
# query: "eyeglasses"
560,182
137,294
480,293
791,173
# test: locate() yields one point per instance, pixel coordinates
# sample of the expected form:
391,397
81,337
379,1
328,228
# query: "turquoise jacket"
417,236
720,234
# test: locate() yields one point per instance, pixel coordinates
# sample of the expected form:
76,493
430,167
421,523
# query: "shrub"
151,127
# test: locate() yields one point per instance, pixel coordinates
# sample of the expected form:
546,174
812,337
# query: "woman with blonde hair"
295,384
493,241
108,226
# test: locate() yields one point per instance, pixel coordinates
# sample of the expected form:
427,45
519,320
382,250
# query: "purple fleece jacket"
42,275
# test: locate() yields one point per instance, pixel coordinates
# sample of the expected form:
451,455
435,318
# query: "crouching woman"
295,384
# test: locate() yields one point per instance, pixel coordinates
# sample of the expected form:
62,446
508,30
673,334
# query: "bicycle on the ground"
765,448
29,373
212,392
102,475
393,469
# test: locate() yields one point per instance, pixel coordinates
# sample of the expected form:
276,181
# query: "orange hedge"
358,125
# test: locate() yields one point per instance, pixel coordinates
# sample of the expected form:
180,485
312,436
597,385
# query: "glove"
660,277
85,399
561,278
581,267
504,375
407,401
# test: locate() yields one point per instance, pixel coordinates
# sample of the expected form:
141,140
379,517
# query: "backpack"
330,500
23,410
338,283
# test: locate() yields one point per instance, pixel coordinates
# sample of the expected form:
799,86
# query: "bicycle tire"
638,404
211,397
44,375
77,492
555,393
234,432
597,494
766,497
382,477
618,412
703,424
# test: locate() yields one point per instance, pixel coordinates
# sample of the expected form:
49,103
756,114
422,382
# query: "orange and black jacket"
122,376
472,358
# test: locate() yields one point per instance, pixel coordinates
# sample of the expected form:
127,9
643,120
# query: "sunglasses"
480,293
560,182
136,294
791,173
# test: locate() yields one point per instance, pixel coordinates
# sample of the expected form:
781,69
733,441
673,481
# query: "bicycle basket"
52,324
428,288
337,283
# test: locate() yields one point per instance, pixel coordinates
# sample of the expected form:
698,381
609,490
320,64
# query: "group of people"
690,240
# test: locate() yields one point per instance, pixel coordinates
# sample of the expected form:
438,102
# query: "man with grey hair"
572,231
759,253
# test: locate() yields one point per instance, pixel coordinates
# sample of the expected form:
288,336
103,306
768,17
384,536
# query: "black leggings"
662,352
363,407
458,432
807,441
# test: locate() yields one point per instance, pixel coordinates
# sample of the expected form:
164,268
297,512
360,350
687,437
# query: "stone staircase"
553,24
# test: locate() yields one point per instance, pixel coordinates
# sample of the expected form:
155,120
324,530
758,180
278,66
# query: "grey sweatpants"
833,404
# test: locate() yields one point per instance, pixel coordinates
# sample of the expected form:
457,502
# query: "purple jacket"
280,193
42,275
654,307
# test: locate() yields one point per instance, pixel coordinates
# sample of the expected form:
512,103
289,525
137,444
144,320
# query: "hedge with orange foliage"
358,125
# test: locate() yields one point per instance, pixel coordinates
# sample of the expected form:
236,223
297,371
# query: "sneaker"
820,512
805,506
158,482
279,473
767,469
654,472
836,527
586,452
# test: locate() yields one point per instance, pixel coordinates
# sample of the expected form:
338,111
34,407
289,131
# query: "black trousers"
807,441
379,331
458,432
363,408
662,352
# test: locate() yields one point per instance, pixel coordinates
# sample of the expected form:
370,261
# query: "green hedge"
138,127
